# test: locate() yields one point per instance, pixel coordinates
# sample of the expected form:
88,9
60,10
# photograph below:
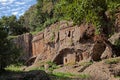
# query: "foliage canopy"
88,11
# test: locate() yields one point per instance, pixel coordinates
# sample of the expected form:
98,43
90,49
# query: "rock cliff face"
24,43
64,43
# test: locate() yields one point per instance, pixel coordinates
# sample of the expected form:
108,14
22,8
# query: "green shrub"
14,67
112,61
37,68
34,32
48,22
52,65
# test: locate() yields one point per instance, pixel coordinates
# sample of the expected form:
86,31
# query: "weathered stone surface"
112,47
64,43
38,44
24,42
103,71
106,54
87,31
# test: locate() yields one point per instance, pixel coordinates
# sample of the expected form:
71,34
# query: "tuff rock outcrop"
65,43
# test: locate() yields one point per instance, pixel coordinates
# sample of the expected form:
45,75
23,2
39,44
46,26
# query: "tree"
13,25
8,52
39,15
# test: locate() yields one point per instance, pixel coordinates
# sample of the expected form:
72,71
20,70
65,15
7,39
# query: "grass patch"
39,68
69,75
52,66
18,68
63,75
112,61
14,67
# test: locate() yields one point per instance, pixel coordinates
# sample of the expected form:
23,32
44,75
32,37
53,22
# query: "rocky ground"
108,69
103,70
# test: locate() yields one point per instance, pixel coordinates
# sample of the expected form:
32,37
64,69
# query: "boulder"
114,38
97,51
98,48
106,54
